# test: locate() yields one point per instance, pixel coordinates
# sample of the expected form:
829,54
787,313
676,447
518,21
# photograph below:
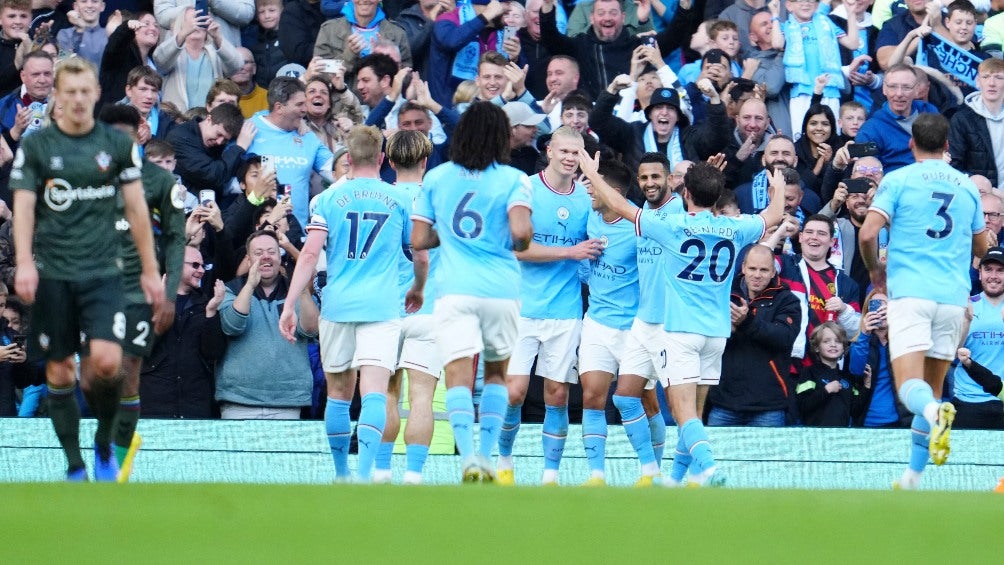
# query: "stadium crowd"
253,105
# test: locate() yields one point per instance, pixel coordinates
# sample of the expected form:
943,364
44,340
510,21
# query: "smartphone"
206,196
20,340
650,41
332,66
284,191
267,163
873,305
509,31
858,185
867,149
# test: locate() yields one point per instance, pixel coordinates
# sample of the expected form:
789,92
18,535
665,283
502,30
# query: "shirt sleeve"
979,220
648,224
131,164
25,174
422,205
885,200
751,229
522,193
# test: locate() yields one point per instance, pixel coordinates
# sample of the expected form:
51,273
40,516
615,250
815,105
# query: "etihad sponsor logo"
59,195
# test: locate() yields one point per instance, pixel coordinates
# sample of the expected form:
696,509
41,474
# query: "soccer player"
613,301
936,225
408,153
477,211
165,200
635,395
551,302
365,224
699,251
67,179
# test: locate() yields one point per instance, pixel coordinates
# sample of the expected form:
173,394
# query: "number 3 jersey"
698,265
367,224
933,211
470,213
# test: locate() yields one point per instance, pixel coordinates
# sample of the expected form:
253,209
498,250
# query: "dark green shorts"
138,341
67,314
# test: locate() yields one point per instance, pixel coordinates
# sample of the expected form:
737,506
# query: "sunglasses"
196,265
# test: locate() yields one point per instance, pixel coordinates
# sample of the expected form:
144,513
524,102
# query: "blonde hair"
816,337
466,91
865,310
363,143
74,66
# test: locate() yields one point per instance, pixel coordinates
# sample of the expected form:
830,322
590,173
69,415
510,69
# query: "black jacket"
418,28
819,407
203,168
121,56
298,29
10,78
537,56
970,145
697,142
755,364
268,56
178,376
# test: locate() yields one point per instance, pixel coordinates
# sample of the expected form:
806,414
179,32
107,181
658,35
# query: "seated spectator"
268,54
870,358
976,137
249,316
889,126
231,15
177,379
143,93
205,159
86,38
828,395
15,17
522,146
130,44
190,63
755,388
353,36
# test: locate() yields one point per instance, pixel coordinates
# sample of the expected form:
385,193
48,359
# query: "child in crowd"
826,393
268,55
86,38
852,115
161,153
724,35
15,17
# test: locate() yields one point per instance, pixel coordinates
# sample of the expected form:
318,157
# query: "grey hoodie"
995,124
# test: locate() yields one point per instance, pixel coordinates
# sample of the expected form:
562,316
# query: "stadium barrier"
297,452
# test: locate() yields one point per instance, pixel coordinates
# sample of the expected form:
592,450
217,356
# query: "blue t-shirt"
613,276
407,268
652,302
551,291
470,213
986,341
700,252
368,230
933,211
295,157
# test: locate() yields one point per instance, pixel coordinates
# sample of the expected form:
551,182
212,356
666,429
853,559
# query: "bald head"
758,269
752,119
982,183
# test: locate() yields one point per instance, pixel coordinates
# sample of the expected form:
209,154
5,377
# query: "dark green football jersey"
165,199
76,180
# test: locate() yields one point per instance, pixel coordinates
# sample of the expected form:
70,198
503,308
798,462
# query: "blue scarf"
827,46
465,64
370,34
954,60
761,195
673,150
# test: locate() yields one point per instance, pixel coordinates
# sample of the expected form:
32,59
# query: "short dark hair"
617,174
961,6
37,54
230,117
146,74
577,101
655,157
715,56
258,233
381,65
245,166
791,176
158,148
481,137
705,184
820,218
281,89
930,132
120,114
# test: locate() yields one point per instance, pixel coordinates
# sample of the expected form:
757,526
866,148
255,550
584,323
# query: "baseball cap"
994,255
520,114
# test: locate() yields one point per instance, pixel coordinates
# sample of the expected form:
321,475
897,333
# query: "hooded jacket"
332,38
976,139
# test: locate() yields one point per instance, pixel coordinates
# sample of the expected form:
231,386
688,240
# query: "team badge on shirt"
604,241
562,213
56,163
104,160
178,196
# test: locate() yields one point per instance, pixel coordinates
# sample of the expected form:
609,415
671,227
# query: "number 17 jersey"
470,213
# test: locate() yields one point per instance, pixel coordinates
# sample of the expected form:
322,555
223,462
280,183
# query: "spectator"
223,91
354,36
205,160
826,293
22,111
230,15
716,66
993,213
177,378
827,394
374,76
298,30
580,20
249,317
649,72
190,63
755,388
15,17
870,357
295,156
779,152
765,65
562,79
268,54
253,98
130,45
898,29
724,36
85,38
889,126
417,22
533,51
13,363
816,145
794,197
742,13
863,72
524,122
143,93
984,377
852,115
976,408
747,147
976,137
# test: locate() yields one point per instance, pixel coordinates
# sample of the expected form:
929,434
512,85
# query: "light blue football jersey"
933,212
986,341
407,268
698,263
295,157
470,213
613,276
651,286
551,291
368,231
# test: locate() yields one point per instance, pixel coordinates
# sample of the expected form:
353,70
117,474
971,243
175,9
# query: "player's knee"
594,399
555,394
106,366
61,373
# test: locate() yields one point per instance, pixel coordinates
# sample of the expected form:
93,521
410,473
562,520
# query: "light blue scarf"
827,46
465,64
760,193
673,150
371,33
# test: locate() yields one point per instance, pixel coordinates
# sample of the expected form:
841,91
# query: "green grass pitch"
357,524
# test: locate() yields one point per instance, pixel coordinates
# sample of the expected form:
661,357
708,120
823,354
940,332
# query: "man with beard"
826,294
976,408
779,153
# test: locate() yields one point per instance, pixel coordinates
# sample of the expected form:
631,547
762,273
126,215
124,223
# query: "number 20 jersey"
470,212
698,266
